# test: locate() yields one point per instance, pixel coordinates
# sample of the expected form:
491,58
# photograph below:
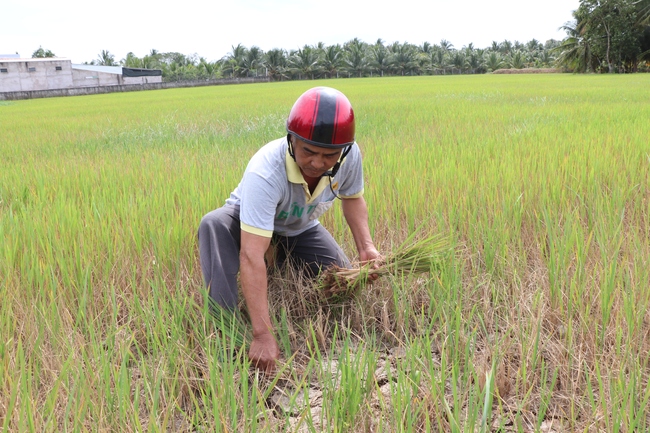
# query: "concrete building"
17,75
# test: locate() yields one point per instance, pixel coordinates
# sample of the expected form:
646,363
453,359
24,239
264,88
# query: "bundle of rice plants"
414,256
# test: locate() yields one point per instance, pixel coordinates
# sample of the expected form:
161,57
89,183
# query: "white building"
17,75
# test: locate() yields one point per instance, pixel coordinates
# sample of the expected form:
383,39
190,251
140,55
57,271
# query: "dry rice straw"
419,256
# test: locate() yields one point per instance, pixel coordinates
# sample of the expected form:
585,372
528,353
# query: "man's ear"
290,144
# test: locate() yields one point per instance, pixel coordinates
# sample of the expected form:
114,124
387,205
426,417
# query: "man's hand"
371,256
264,352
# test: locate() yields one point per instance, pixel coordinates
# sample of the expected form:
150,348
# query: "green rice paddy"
539,322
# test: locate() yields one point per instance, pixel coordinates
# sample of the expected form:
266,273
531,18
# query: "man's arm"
264,350
356,215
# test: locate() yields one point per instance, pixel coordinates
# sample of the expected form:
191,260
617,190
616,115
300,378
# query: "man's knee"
219,221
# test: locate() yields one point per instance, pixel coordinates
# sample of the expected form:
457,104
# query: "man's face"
314,161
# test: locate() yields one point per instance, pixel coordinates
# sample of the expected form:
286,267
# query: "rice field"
538,321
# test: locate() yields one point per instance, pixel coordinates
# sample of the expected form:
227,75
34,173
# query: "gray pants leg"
312,251
220,242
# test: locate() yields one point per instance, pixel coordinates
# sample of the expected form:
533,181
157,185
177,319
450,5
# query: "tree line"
604,36
354,58
607,36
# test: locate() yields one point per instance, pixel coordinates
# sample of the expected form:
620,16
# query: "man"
287,185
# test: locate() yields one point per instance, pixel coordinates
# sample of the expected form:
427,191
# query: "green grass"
539,319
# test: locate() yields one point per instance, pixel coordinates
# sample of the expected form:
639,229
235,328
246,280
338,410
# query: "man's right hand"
264,352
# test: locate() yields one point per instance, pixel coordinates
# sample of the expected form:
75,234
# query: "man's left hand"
371,256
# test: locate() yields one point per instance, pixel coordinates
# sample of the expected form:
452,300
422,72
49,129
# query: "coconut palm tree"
458,61
439,60
208,70
544,59
251,61
534,45
275,62
304,61
105,58
493,61
446,45
476,61
132,61
331,60
505,47
403,58
516,60
355,61
643,12
234,60
426,48
574,52
379,59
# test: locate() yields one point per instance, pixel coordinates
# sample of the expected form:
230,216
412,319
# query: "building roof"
34,59
9,56
97,68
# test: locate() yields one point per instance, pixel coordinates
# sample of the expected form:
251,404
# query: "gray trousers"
220,242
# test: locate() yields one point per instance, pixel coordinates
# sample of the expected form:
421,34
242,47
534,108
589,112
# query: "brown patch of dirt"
529,71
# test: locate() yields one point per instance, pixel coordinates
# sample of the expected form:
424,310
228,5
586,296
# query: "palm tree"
331,60
426,48
544,59
403,58
132,61
534,45
251,61
208,70
106,59
446,45
234,60
304,61
493,61
354,44
476,61
458,61
355,60
424,54
505,47
516,59
643,12
379,59
643,21
275,62
574,51
439,60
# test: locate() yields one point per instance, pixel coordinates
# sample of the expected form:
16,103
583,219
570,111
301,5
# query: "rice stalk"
420,256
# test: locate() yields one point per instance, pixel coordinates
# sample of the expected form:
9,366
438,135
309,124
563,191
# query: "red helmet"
322,116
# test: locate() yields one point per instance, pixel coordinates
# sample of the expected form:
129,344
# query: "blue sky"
81,29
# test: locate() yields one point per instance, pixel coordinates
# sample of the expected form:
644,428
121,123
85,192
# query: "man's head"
322,120
314,161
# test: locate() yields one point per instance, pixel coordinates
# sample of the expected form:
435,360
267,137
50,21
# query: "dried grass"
528,71
413,256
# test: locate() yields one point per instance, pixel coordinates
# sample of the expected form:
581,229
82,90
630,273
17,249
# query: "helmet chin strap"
290,144
332,172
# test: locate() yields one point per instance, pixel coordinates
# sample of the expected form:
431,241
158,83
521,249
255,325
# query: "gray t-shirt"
274,197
